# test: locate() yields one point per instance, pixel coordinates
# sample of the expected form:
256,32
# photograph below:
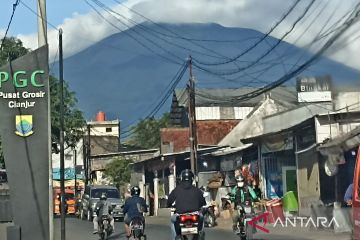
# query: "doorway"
289,179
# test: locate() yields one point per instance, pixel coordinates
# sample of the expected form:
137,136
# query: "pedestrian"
349,194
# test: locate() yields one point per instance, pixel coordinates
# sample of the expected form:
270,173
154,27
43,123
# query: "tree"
74,120
12,49
118,170
147,132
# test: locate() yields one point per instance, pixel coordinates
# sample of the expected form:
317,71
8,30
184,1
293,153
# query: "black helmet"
103,196
135,191
187,175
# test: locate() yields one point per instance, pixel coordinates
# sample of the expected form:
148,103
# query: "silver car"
92,195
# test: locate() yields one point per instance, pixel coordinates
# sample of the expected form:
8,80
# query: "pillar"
156,192
172,179
142,184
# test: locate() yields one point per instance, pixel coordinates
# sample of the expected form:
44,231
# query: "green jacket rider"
238,195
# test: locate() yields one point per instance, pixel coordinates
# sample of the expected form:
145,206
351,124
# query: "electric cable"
8,25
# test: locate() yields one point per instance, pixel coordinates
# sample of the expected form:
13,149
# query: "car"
92,195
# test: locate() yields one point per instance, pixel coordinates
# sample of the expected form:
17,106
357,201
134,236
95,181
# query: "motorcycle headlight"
93,205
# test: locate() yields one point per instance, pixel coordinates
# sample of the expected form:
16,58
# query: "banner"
25,135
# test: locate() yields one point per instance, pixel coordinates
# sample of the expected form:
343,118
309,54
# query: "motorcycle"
209,216
188,227
246,213
105,228
226,202
137,229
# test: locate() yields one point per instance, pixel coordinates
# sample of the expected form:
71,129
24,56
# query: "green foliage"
147,132
118,170
12,49
74,120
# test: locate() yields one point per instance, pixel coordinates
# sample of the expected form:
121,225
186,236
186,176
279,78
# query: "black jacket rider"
188,198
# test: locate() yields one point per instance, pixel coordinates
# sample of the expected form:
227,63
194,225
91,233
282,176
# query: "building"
287,139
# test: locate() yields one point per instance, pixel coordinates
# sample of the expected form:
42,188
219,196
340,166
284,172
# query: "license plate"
193,230
247,210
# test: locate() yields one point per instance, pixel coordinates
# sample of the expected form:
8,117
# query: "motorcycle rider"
239,195
188,199
134,207
103,208
210,206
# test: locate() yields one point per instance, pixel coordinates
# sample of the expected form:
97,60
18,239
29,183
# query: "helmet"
187,175
103,196
135,191
239,178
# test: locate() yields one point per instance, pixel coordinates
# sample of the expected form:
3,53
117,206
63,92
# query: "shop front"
279,165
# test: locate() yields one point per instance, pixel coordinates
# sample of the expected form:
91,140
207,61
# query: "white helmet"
240,181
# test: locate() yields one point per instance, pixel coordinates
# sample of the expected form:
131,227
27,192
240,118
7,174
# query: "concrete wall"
308,180
225,113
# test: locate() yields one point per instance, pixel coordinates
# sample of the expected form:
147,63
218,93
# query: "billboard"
314,89
25,134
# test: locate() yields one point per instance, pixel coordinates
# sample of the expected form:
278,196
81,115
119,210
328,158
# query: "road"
157,228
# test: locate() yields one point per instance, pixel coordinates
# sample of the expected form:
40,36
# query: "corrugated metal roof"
341,143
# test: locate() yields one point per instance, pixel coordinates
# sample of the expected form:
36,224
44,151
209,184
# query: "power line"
150,30
259,41
354,17
99,4
227,72
8,25
170,88
30,9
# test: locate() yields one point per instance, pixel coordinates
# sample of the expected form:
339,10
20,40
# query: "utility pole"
88,154
42,22
75,178
62,160
85,159
192,120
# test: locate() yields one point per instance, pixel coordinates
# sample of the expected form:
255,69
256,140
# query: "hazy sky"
83,27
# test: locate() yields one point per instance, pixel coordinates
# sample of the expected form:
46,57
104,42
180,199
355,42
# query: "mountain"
123,78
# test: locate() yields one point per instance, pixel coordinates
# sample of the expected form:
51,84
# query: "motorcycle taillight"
193,218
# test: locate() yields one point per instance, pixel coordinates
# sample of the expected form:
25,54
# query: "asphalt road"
157,228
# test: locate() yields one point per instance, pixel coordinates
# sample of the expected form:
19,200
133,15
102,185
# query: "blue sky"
82,27
25,22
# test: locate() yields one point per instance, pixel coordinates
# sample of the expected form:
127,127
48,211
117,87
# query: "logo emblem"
24,125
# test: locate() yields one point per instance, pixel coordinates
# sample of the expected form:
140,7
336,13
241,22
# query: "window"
108,129
110,193
3,177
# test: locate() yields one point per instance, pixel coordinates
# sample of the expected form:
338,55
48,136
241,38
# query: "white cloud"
81,31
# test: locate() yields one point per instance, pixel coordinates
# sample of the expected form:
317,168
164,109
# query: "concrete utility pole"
192,120
42,22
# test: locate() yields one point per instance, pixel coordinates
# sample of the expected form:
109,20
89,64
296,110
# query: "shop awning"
342,143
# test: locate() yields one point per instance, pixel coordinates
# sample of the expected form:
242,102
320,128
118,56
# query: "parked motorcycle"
105,228
246,213
137,229
189,227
